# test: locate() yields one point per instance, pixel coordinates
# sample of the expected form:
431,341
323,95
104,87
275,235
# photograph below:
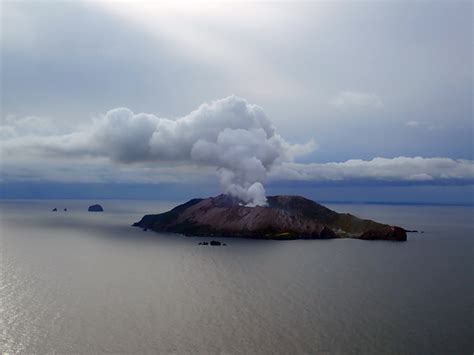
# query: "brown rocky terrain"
285,217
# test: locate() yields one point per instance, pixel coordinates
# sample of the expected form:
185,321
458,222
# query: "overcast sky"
355,92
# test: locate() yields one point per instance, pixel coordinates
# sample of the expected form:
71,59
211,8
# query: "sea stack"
284,217
95,208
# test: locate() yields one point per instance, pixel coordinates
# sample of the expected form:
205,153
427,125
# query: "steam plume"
230,134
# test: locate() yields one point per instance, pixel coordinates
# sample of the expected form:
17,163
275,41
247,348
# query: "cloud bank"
230,134
400,169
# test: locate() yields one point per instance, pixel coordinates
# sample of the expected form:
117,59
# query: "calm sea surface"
89,283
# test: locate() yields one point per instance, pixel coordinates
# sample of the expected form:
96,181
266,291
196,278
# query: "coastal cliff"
285,217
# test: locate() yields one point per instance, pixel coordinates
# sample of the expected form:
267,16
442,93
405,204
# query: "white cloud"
230,134
415,169
13,126
356,100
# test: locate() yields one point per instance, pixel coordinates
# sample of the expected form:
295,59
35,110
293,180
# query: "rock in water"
285,217
54,209
215,243
95,208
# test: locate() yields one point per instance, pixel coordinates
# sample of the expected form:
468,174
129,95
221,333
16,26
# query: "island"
95,208
284,217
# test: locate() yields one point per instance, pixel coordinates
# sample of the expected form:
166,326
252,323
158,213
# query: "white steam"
230,134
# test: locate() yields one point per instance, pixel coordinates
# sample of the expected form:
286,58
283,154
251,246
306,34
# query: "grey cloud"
101,170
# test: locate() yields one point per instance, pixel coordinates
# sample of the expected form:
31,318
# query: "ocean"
81,282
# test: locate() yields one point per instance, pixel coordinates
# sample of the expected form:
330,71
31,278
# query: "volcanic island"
283,218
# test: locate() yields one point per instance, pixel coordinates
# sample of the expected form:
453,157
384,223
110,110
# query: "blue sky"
371,93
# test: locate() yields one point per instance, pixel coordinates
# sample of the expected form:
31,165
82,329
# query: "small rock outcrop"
95,208
55,209
215,243
285,217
